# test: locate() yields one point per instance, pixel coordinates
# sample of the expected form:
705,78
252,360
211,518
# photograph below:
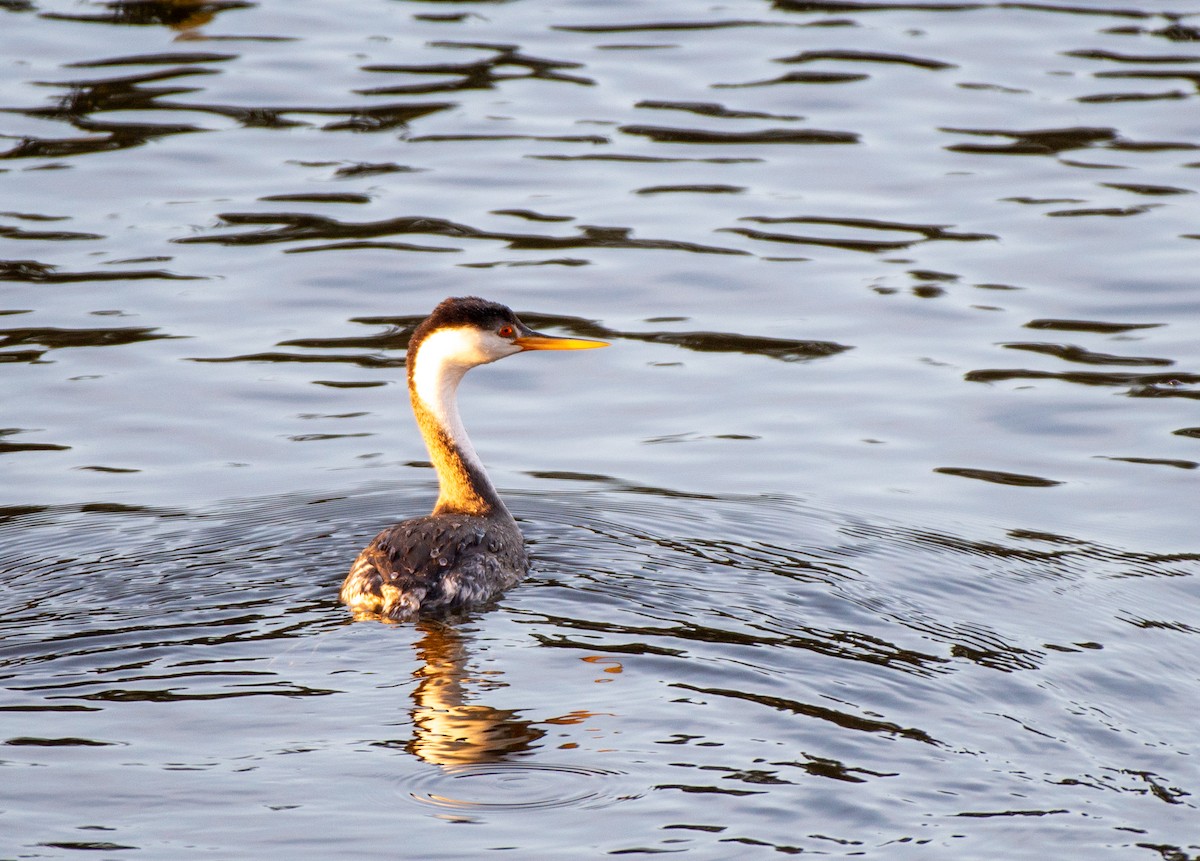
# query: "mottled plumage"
469,549
434,563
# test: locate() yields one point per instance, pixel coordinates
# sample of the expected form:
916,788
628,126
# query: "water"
872,534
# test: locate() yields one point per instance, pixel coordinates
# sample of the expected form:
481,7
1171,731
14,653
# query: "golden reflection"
607,665
450,730
447,730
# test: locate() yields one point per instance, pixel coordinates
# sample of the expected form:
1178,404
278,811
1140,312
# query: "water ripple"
789,559
482,74
293,227
516,787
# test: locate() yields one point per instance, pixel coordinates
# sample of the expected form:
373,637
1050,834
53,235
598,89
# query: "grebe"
469,549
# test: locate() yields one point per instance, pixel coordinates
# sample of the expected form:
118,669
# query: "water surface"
873,534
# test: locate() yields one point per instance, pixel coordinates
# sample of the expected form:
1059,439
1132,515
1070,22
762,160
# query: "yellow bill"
538,341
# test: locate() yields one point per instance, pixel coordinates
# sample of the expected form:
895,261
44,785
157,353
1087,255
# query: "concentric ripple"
517,786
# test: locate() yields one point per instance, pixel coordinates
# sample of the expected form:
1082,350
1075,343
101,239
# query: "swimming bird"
469,549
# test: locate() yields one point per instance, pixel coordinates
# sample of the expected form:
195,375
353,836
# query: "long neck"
464,485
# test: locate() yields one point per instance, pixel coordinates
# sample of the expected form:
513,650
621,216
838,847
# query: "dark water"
872,535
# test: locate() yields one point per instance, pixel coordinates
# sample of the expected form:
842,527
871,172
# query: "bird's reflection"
447,729
186,16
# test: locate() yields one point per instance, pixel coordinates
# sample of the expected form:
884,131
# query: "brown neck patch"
463,488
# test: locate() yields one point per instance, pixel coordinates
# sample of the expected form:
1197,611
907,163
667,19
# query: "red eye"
506,331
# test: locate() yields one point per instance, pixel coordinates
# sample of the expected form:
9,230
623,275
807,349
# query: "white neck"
435,381
442,360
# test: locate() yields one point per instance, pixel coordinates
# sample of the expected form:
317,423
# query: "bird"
469,549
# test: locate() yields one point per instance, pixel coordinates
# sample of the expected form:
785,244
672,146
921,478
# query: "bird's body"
436,562
469,549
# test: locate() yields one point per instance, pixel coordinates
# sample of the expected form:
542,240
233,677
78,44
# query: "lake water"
873,533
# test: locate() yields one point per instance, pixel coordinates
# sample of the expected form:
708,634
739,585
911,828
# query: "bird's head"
463,332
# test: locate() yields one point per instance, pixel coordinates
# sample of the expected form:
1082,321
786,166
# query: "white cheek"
490,347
